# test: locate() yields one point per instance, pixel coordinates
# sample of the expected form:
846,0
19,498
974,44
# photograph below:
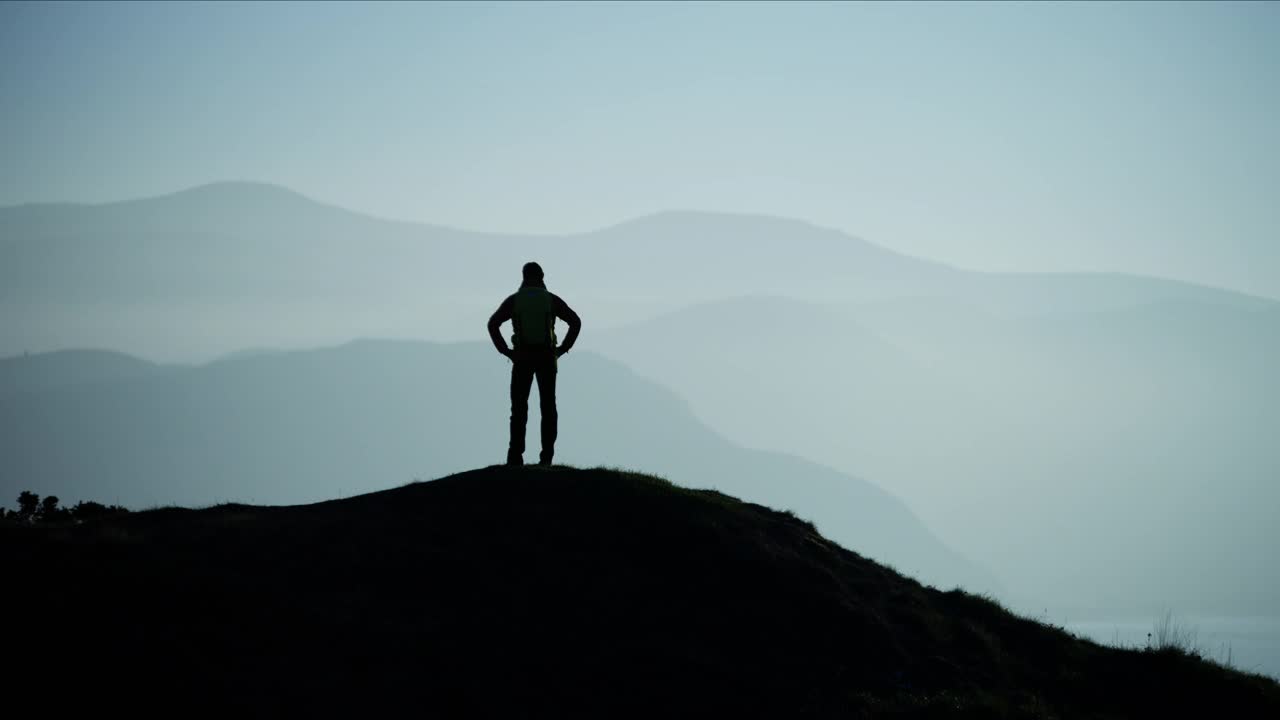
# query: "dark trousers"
528,364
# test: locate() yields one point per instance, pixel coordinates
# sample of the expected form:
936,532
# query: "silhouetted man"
533,312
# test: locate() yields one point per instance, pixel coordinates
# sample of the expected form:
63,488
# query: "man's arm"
566,313
499,316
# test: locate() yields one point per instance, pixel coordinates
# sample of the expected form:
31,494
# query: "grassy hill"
556,592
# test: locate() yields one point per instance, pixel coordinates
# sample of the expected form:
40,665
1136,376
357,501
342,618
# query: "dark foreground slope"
540,593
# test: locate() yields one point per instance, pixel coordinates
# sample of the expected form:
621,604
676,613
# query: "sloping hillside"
542,593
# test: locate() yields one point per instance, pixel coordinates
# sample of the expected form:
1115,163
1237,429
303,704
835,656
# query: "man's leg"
547,404
521,381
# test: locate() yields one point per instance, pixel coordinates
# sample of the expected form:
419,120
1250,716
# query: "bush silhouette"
28,503
50,512
32,510
89,510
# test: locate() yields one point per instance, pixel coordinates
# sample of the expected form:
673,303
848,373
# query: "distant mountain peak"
236,192
241,187
224,191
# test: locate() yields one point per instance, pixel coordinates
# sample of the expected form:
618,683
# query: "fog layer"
1097,441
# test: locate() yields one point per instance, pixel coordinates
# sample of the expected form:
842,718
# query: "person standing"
533,311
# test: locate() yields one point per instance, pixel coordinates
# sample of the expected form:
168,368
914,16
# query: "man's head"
532,271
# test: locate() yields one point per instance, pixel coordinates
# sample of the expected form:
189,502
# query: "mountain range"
266,266
1131,447
305,426
1102,441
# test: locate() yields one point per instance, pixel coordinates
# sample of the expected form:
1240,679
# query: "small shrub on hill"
34,511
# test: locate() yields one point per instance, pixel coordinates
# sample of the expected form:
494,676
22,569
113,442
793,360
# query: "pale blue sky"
1134,137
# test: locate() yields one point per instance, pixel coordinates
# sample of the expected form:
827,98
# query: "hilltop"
556,592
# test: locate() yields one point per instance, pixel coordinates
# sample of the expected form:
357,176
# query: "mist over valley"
1098,442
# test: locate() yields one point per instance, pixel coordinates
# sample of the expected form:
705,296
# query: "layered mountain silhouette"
312,425
1131,445
1104,438
69,368
263,264
267,241
543,593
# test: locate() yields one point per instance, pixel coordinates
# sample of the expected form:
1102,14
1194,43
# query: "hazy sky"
1138,137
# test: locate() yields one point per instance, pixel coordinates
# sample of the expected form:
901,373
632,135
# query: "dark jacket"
559,308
